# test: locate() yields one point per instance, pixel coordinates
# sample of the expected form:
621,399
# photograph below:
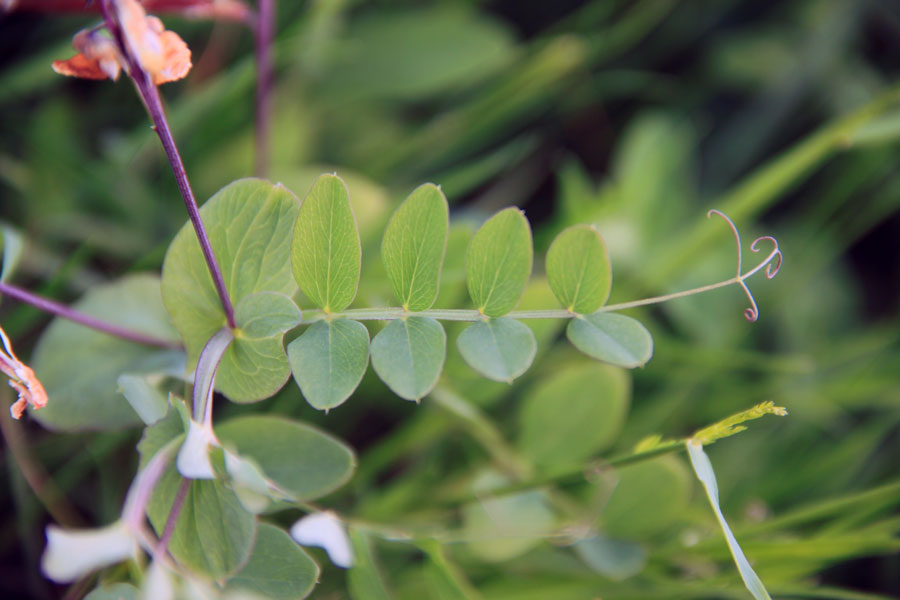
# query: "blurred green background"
637,116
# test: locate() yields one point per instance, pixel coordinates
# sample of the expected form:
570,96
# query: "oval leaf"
573,414
413,247
615,339
498,262
255,366
329,360
325,252
214,533
278,568
500,349
408,355
303,461
249,224
80,367
578,269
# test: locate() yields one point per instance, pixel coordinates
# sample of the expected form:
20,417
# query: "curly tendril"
772,262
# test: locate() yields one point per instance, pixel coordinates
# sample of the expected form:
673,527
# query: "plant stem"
455,314
150,94
71,314
172,519
37,478
265,24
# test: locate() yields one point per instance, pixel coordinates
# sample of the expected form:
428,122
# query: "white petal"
325,531
158,584
193,458
73,553
703,469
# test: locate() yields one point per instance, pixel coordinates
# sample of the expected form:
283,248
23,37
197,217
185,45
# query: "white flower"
326,531
73,553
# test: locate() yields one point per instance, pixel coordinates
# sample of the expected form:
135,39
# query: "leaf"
408,355
646,500
266,314
214,533
500,349
147,400
573,414
278,568
301,460
502,528
325,251
329,360
498,262
415,53
80,367
706,475
615,339
364,581
255,366
616,559
413,247
578,269
13,246
115,591
249,223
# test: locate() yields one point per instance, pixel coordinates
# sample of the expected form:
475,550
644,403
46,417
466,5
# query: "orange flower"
22,379
161,54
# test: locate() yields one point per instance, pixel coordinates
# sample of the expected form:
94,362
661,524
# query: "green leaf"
499,529
573,414
147,400
364,582
498,262
301,460
278,568
114,591
648,497
413,247
325,252
255,366
706,475
615,559
500,349
214,533
329,360
615,339
408,355
80,367
266,314
578,269
418,52
13,246
249,224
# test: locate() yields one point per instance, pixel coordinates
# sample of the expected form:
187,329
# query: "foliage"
527,469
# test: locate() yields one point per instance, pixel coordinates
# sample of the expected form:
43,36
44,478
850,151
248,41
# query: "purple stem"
61,310
265,27
150,95
172,519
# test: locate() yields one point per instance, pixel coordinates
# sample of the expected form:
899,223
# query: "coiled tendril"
772,262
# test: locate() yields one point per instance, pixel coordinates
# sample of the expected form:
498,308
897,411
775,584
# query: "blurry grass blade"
703,469
13,245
